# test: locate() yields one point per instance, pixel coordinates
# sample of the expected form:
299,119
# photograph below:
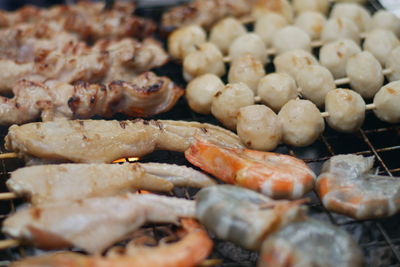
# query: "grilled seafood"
105,61
46,183
275,175
96,141
144,95
346,186
88,20
93,224
191,250
310,243
242,216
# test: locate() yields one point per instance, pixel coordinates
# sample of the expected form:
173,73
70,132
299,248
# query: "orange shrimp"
274,175
191,250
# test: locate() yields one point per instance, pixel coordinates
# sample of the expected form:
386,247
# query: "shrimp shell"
310,243
244,216
274,175
346,186
99,141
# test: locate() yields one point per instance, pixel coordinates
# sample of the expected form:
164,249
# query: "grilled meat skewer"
87,20
105,61
67,182
143,96
96,223
96,141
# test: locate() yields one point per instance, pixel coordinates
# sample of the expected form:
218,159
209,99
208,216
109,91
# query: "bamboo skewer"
8,196
9,243
10,155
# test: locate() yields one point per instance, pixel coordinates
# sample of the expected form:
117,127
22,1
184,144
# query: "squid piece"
98,141
310,243
190,251
242,216
346,186
47,183
274,175
93,224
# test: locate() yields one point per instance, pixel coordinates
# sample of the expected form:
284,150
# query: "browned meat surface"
106,61
205,12
144,95
89,21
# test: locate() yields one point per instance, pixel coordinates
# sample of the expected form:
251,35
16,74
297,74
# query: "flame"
126,160
140,191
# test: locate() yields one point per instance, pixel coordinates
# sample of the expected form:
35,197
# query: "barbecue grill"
379,239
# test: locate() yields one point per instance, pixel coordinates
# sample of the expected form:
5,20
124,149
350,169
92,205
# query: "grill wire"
379,239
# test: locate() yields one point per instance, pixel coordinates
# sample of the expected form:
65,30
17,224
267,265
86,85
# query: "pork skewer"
106,61
143,96
68,182
96,141
87,20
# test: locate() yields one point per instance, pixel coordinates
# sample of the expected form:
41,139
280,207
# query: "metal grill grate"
379,239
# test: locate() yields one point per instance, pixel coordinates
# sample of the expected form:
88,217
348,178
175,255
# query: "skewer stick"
8,155
367,107
8,196
346,80
9,243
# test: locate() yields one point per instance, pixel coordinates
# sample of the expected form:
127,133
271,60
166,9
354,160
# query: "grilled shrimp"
191,250
310,243
244,216
346,186
274,175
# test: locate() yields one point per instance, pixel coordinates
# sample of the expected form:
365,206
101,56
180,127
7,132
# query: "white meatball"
266,26
380,43
302,122
259,127
227,102
365,74
276,89
335,55
321,6
205,59
392,62
225,32
315,82
183,40
387,102
358,14
346,110
282,7
291,61
249,43
340,28
384,19
290,38
312,23
246,69
200,92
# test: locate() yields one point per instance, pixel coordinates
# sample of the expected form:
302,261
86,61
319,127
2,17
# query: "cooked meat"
145,95
67,182
96,223
105,141
204,12
106,61
88,20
